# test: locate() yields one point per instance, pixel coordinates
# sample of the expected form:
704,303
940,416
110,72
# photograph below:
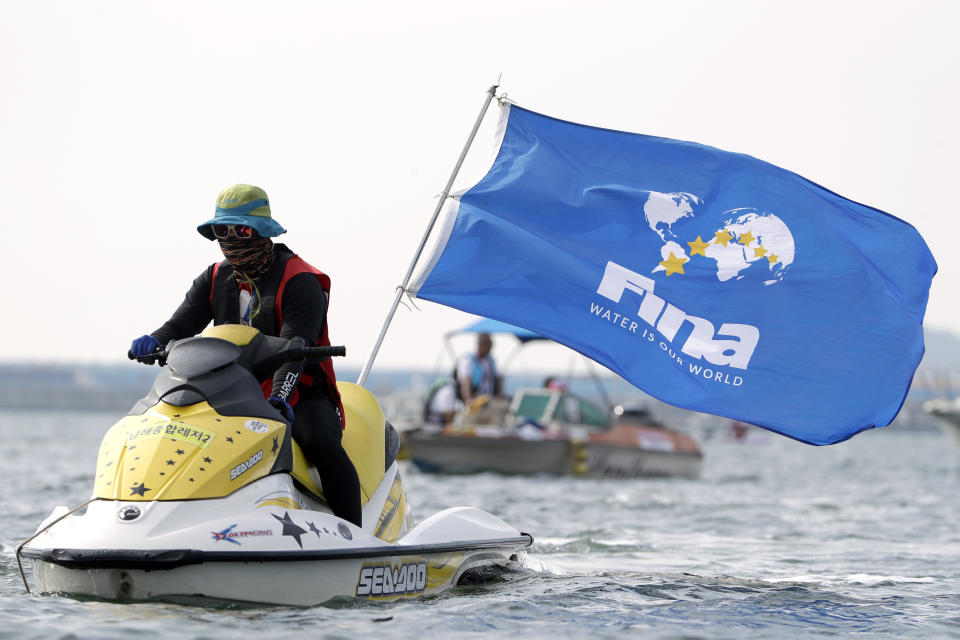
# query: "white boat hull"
265,543
292,582
511,456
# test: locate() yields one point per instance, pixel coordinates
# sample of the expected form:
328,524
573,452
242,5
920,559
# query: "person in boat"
441,403
267,286
476,373
554,385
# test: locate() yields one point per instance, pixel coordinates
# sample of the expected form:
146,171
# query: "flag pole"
491,92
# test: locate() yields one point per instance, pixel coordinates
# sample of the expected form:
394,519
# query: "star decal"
746,238
108,464
131,447
773,258
314,529
289,528
229,439
698,246
759,252
673,264
180,452
225,535
170,463
202,469
207,459
138,489
275,445
238,432
162,473
722,237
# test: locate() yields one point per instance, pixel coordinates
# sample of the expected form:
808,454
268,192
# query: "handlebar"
289,354
315,354
295,353
159,357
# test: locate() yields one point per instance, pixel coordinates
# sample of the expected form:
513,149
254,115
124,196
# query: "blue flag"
711,280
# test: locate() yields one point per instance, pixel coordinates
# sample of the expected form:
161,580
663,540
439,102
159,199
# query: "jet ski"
200,492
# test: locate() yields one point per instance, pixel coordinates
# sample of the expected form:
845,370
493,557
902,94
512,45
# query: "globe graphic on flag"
749,244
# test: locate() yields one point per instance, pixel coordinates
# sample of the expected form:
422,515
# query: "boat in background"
550,430
948,412
553,431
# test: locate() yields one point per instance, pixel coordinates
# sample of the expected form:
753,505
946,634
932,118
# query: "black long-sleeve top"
304,313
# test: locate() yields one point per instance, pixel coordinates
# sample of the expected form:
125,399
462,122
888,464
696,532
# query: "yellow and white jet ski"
200,491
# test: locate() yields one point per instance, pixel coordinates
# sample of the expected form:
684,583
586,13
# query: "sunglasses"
242,231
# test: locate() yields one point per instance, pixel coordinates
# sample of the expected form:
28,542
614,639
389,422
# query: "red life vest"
295,265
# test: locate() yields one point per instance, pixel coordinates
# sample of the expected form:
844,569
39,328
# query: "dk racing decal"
230,535
379,580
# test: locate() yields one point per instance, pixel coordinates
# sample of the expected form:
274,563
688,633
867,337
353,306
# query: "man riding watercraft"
269,287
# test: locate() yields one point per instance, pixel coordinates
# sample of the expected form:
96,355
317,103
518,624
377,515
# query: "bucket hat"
243,204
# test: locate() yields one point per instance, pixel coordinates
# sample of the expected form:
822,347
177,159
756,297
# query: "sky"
120,122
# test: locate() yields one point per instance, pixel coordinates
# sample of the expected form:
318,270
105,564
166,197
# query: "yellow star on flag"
723,237
759,252
673,264
773,258
698,246
746,238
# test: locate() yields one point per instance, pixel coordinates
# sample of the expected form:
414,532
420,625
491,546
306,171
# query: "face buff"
251,260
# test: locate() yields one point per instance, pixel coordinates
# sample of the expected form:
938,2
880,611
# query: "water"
777,539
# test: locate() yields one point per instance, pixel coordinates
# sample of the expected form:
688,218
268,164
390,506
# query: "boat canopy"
488,325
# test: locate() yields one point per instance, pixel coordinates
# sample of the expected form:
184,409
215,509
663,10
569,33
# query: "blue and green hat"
243,204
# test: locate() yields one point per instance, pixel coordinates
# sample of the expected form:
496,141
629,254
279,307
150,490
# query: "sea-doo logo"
734,348
128,514
385,580
244,466
256,426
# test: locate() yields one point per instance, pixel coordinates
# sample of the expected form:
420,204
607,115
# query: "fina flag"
711,280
